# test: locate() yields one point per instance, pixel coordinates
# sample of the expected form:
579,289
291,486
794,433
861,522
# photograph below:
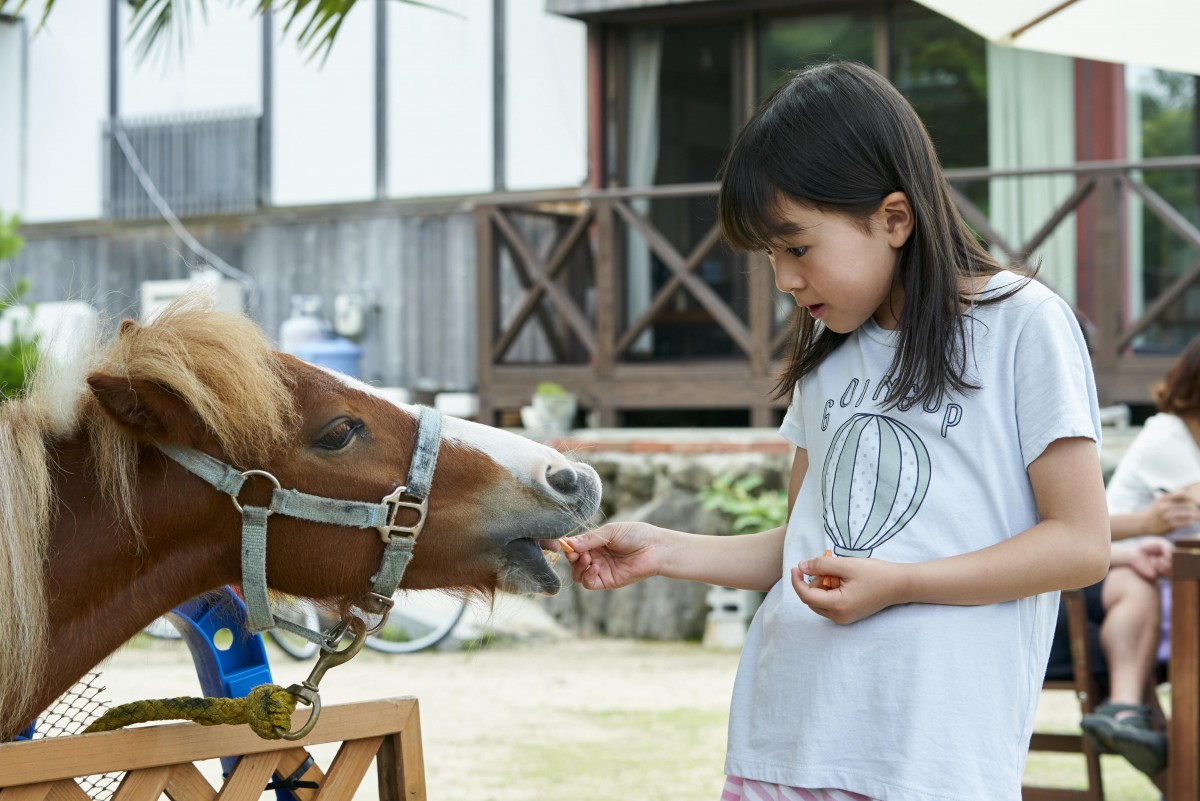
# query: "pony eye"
339,435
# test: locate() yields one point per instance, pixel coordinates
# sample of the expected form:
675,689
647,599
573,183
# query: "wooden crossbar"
158,760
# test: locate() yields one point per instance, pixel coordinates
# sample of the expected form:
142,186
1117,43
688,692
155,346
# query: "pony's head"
210,381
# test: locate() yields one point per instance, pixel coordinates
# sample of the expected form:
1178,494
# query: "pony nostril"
563,479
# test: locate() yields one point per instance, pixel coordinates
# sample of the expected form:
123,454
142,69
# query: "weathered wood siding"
416,269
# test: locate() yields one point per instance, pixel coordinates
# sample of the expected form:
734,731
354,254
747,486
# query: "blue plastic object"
231,672
335,353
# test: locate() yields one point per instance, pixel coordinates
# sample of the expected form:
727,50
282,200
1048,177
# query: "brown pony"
101,532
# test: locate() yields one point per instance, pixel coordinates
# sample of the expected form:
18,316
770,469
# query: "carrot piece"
565,544
829,582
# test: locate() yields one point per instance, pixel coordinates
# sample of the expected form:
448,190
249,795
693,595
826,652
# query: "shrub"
19,356
748,508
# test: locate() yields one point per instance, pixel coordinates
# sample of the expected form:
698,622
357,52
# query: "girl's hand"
614,555
867,585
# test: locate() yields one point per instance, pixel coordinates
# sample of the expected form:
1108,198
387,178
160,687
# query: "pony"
101,531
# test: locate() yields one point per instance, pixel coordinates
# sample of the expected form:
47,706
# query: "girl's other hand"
867,585
614,555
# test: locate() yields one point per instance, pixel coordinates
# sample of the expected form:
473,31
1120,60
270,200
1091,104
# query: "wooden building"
620,288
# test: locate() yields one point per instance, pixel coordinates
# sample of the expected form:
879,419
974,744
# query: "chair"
1083,682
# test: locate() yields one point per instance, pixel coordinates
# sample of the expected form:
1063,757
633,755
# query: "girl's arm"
1068,548
619,554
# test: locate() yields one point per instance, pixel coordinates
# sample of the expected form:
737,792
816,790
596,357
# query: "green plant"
743,500
550,388
19,356
10,241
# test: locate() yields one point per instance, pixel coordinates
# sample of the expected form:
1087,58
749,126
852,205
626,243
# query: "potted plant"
554,408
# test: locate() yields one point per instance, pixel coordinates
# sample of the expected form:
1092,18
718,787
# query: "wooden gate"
158,760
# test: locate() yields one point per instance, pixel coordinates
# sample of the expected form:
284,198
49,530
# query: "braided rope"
267,709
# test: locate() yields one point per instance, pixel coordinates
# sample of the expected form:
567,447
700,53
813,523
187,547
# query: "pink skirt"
739,789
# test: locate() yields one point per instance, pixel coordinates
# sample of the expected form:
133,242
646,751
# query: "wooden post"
1183,763
487,277
607,304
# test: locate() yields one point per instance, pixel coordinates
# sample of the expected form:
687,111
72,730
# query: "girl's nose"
787,276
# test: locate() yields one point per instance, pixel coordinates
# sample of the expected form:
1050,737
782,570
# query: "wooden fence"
158,760
573,294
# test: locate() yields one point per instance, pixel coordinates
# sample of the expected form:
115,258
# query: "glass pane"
941,67
1166,103
680,113
797,42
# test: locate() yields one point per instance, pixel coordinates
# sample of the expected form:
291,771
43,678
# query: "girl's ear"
897,215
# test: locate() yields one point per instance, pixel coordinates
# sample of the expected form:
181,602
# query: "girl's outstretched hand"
865,586
614,555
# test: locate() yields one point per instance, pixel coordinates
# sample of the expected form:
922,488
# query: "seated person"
1154,491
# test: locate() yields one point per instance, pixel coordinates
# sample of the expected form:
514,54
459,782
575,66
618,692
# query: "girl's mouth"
817,310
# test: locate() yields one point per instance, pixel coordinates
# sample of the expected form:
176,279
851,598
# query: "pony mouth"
526,568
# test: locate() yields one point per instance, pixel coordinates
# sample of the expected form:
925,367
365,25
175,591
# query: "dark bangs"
749,204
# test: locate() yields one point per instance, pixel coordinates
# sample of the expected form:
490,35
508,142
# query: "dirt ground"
542,716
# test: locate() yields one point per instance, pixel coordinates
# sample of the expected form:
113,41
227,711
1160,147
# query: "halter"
398,540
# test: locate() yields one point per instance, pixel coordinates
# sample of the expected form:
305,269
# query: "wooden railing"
574,294
158,760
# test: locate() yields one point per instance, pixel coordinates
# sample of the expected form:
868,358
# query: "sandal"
1131,736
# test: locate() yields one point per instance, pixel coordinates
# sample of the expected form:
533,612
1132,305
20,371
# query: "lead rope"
267,709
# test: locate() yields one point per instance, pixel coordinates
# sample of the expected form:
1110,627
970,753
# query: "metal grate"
200,164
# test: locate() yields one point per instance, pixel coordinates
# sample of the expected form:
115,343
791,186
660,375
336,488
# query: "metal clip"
306,692
390,530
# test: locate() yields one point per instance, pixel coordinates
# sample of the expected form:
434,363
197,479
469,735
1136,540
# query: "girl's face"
840,271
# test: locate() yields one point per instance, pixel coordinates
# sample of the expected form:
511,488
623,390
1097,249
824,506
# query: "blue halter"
399,541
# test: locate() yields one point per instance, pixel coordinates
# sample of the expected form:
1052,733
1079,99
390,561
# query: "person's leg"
1129,637
1129,634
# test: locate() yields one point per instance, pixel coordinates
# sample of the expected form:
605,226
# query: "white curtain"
1031,123
645,64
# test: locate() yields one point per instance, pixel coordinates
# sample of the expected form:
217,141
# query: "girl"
946,426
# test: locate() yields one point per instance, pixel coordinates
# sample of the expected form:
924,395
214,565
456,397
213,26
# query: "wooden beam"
57,758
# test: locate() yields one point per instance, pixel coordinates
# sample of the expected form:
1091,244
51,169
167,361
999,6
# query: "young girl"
946,426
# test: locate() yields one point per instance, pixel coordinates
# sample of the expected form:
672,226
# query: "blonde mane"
219,364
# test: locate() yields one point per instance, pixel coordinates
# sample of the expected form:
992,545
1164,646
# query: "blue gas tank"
335,353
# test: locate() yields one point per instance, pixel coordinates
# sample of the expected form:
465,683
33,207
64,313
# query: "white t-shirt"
917,702
1163,456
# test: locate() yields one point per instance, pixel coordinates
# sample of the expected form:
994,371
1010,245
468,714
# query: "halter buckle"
390,530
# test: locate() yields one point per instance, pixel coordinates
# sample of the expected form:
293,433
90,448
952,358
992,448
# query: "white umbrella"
1152,33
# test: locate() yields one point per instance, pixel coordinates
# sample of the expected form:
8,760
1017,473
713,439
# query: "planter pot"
555,413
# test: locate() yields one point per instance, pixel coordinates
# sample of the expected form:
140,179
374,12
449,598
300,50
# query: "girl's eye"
797,252
339,435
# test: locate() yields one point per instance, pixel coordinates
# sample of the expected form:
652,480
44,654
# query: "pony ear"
148,410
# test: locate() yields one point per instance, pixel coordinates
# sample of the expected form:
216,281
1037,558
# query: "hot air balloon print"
875,477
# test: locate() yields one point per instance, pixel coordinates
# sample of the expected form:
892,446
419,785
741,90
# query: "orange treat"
565,545
829,582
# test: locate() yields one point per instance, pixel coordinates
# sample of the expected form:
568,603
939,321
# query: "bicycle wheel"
302,613
419,620
162,629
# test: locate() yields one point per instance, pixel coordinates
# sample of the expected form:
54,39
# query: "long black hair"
839,138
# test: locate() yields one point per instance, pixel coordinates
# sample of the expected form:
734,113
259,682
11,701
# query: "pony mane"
220,364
